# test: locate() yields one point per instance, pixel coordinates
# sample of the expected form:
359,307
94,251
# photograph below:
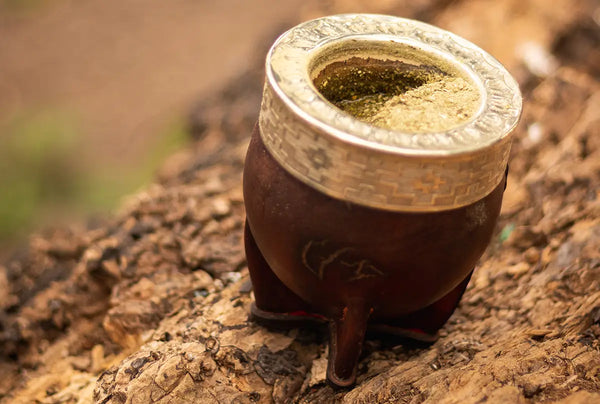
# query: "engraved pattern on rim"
348,159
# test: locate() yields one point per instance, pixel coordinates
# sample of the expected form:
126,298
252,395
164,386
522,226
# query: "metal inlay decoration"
347,159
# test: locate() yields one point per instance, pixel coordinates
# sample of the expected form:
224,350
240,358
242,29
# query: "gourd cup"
373,178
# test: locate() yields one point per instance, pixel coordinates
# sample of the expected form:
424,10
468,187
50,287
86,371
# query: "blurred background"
95,94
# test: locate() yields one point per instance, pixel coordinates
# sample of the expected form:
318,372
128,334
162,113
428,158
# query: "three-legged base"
277,306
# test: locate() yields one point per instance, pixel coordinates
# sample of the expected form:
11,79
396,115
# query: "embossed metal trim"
348,159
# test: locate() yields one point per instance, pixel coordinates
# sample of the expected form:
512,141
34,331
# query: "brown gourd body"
338,256
316,244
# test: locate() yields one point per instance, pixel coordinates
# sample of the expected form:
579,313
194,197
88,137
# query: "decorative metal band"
370,177
347,159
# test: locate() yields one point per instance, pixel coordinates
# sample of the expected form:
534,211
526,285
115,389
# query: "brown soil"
153,305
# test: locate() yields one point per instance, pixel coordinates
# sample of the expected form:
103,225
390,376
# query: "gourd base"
276,306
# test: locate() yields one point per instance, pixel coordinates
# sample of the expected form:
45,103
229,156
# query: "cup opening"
395,85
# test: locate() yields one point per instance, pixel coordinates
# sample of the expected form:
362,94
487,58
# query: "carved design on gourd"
320,257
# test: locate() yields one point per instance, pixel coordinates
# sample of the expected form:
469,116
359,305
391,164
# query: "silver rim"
348,159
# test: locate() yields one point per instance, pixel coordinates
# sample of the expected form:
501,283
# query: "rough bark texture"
152,306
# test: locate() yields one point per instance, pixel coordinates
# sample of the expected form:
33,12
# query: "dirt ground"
152,305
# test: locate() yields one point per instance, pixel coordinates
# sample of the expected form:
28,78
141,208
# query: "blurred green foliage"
35,168
43,174
20,4
506,232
